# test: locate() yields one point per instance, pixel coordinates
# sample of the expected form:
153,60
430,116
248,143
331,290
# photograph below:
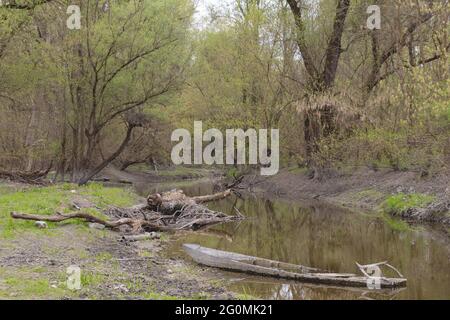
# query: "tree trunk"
319,121
88,176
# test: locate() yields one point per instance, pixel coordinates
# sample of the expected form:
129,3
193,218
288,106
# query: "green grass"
401,202
35,283
106,196
29,285
89,279
48,200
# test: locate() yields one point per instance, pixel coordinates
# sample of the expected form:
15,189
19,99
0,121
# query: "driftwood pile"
170,211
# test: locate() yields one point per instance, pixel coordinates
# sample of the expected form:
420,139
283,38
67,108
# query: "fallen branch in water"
364,268
213,197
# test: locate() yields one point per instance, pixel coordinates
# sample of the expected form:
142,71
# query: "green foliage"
232,172
236,82
401,202
381,148
243,70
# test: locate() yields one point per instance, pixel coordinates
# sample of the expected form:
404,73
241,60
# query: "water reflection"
325,237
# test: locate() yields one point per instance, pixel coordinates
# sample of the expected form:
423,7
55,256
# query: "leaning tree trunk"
88,176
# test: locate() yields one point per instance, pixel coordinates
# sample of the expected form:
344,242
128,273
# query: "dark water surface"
325,237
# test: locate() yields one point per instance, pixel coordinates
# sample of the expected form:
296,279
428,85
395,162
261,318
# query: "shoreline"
364,189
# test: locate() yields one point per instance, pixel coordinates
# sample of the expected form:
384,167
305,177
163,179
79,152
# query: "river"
326,237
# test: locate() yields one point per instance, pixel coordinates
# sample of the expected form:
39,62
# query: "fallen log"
135,224
213,197
264,267
171,211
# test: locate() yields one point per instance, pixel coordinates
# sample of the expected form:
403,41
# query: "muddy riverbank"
363,189
317,234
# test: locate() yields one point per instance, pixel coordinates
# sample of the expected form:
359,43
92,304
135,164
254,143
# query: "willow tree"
95,82
332,32
127,57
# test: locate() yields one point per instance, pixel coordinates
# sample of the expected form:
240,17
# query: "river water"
325,237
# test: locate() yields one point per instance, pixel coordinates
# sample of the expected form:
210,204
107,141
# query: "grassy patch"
106,196
31,286
401,202
89,279
48,200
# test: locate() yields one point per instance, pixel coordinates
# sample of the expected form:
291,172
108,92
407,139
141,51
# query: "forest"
359,91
